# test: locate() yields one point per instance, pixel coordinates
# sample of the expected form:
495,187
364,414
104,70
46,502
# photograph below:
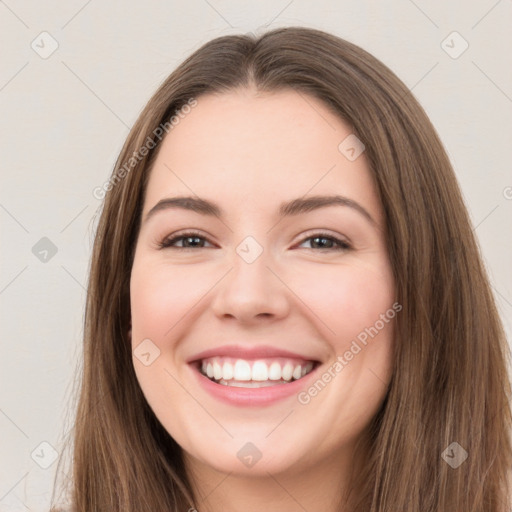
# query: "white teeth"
259,371
217,371
274,372
287,371
242,370
250,384
227,371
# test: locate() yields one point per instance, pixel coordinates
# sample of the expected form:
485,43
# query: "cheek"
161,296
162,306
341,300
346,299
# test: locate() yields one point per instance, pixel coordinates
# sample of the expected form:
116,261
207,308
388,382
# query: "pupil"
321,238
195,238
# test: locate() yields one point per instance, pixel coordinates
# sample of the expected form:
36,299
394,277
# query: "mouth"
254,373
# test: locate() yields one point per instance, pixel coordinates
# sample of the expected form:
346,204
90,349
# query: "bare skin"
248,152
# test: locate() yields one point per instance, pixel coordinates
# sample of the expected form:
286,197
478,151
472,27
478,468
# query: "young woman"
287,308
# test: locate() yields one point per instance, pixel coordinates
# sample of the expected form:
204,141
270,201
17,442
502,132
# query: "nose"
252,292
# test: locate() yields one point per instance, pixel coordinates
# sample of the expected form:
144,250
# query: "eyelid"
343,242
180,235
319,232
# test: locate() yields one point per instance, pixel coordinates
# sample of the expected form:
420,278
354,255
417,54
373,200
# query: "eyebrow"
286,209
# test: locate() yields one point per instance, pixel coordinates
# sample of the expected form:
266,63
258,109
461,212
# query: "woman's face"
288,303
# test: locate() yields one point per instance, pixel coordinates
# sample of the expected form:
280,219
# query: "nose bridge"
251,289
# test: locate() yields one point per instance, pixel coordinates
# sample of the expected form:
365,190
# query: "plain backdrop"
74,76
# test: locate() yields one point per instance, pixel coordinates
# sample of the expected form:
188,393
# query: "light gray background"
64,118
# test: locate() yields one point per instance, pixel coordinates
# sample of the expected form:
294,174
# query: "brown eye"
189,240
323,241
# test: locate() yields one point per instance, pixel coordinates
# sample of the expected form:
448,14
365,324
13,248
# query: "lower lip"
252,396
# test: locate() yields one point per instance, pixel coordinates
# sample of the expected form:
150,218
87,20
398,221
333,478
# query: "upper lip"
241,352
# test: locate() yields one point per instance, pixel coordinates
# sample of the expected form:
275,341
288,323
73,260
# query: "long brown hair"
450,382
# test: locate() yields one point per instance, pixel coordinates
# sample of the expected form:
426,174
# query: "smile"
245,373
260,375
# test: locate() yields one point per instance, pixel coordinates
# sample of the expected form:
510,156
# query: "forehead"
256,149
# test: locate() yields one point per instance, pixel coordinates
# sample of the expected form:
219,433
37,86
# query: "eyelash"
167,243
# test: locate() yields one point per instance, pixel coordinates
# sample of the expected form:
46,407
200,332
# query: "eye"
194,240
324,241
191,240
